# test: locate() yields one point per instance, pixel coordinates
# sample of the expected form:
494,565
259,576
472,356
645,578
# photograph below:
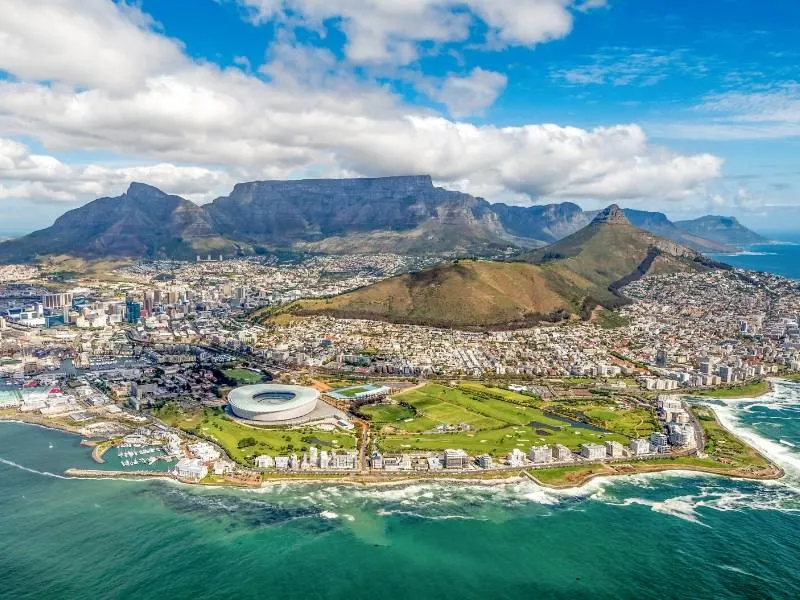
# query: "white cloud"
470,94
210,126
94,43
390,31
28,176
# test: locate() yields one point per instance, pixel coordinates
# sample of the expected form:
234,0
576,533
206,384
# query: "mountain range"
405,214
576,276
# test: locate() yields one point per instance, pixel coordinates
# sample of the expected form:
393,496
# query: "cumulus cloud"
28,176
97,43
390,31
208,126
470,94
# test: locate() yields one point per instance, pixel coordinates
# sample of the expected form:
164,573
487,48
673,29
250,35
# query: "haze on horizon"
688,110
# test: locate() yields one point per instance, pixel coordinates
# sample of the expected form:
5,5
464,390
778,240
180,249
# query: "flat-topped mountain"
365,215
393,214
572,276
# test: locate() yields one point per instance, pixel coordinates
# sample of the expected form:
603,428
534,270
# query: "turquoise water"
782,258
662,536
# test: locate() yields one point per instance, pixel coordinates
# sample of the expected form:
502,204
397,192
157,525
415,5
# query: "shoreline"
595,470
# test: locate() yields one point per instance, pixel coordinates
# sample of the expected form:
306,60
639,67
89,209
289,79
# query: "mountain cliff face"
543,223
401,214
725,230
142,222
386,214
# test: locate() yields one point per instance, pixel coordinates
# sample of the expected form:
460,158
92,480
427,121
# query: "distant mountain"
658,224
725,230
571,276
385,214
365,215
142,222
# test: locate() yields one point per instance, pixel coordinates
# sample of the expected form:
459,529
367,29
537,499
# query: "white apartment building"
540,454
191,468
615,449
593,451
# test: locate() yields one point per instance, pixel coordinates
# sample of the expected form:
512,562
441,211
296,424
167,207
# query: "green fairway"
243,376
214,425
497,442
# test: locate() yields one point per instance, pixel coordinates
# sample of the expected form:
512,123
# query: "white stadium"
272,402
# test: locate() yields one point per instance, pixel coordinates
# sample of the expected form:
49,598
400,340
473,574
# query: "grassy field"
243,376
213,424
498,424
723,447
746,390
351,392
562,475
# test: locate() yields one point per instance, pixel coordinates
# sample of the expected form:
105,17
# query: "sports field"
243,376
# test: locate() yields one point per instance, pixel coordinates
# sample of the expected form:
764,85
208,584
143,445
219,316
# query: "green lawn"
243,376
562,475
213,424
745,390
722,446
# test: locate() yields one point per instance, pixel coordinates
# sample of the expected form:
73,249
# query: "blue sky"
684,107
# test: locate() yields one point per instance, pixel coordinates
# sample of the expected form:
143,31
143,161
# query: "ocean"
668,535
781,257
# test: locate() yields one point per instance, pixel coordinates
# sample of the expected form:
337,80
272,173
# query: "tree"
246,442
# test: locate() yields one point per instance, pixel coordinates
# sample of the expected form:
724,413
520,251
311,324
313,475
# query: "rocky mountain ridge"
405,214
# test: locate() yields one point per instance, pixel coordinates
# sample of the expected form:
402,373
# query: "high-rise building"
55,301
662,358
133,311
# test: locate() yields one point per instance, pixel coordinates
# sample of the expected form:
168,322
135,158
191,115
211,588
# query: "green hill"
567,278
